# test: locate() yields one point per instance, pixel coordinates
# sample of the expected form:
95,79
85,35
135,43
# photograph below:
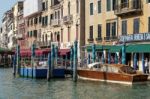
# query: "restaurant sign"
135,37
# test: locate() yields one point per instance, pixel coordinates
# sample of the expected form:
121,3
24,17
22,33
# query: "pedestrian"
146,66
112,60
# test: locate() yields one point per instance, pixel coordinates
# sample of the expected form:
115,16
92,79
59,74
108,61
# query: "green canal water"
23,88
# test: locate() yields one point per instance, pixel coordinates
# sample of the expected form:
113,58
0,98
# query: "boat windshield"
127,69
111,69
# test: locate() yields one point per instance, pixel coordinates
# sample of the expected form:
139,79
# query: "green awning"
89,48
138,48
114,49
98,47
107,47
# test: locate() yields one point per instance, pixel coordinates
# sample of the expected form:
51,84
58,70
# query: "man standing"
146,66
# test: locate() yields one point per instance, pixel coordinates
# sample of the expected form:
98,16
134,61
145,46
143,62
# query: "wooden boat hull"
111,77
41,73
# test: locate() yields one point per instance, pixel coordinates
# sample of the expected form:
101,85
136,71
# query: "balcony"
99,39
133,7
20,13
56,22
68,19
19,37
43,44
90,40
21,21
113,38
57,4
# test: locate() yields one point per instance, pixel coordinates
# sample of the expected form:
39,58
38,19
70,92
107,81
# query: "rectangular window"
35,33
114,4
113,28
107,29
46,3
91,32
149,24
28,23
108,5
46,20
35,20
40,18
51,18
31,21
43,6
91,8
124,27
43,19
30,33
136,26
99,31
99,6
124,3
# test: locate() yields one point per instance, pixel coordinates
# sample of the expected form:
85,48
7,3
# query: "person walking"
146,66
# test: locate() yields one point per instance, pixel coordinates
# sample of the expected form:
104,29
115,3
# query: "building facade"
21,36
33,21
55,22
7,27
114,22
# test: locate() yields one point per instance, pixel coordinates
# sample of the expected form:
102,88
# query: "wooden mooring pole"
75,62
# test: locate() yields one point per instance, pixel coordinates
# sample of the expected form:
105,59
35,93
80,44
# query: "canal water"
23,88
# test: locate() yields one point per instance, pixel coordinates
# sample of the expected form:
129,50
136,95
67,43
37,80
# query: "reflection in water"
23,88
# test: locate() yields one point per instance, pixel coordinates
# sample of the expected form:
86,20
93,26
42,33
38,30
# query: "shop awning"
114,49
38,52
64,51
98,48
138,48
25,52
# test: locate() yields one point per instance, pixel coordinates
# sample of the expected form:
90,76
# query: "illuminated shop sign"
135,37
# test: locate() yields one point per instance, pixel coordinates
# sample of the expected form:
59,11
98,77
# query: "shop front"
137,49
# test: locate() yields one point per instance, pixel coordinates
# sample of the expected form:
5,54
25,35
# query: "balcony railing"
56,22
43,43
90,40
20,12
99,39
21,21
57,5
68,19
110,38
134,6
19,36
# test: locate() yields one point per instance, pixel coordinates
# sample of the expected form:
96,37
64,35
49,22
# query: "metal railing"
56,22
68,19
127,7
43,43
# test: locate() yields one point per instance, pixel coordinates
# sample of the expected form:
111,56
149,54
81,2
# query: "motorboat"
115,73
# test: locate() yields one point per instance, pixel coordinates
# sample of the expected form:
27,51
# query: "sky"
4,6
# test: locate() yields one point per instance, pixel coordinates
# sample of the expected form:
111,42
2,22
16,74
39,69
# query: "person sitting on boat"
146,66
